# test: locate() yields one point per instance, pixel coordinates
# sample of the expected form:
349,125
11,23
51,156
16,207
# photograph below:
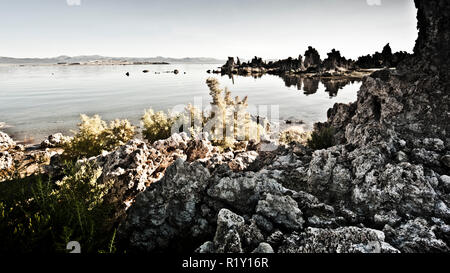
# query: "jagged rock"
244,191
173,143
6,142
243,160
129,169
198,149
326,177
341,240
227,239
281,210
251,235
6,162
55,141
403,187
167,214
391,218
263,248
415,236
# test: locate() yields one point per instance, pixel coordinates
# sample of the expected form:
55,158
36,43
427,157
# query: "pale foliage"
157,125
95,136
228,120
294,135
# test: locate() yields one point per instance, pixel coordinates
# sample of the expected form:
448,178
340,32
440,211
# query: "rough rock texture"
6,158
383,188
168,210
6,161
6,142
340,240
55,141
136,165
417,236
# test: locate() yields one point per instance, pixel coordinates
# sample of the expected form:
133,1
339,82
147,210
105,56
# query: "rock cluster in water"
333,65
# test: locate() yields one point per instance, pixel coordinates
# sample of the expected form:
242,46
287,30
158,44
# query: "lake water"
36,101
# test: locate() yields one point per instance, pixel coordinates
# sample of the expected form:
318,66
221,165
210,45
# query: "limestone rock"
6,162
6,142
167,214
282,210
55,141
341,240
415,236
264,248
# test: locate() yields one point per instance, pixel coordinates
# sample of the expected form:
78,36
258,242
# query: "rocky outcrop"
6,162
229,66
384,188
335,61
340,240
312,59
55,141
6,158
384,59
167,211
133,167
6,142
432,45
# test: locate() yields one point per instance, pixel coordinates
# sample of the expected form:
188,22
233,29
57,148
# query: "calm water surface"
36,101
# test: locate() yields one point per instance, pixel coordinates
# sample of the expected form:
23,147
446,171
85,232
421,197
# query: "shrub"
95,136
322,138
227,122
157,125
39,215
294,135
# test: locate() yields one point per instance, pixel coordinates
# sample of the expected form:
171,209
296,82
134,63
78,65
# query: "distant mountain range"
93,58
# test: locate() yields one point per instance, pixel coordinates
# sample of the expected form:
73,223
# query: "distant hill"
93,58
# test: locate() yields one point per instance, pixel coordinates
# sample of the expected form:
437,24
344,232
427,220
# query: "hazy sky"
209,28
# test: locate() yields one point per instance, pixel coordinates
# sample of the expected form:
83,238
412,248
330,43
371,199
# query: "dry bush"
228,120
294,135
95,136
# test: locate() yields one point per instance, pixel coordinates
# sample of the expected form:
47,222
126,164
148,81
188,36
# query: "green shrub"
322,139
95,136
39,215
227,122
157,125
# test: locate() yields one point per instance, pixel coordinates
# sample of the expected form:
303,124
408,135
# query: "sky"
271,29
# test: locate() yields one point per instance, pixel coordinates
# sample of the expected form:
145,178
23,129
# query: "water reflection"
311,84
308,84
